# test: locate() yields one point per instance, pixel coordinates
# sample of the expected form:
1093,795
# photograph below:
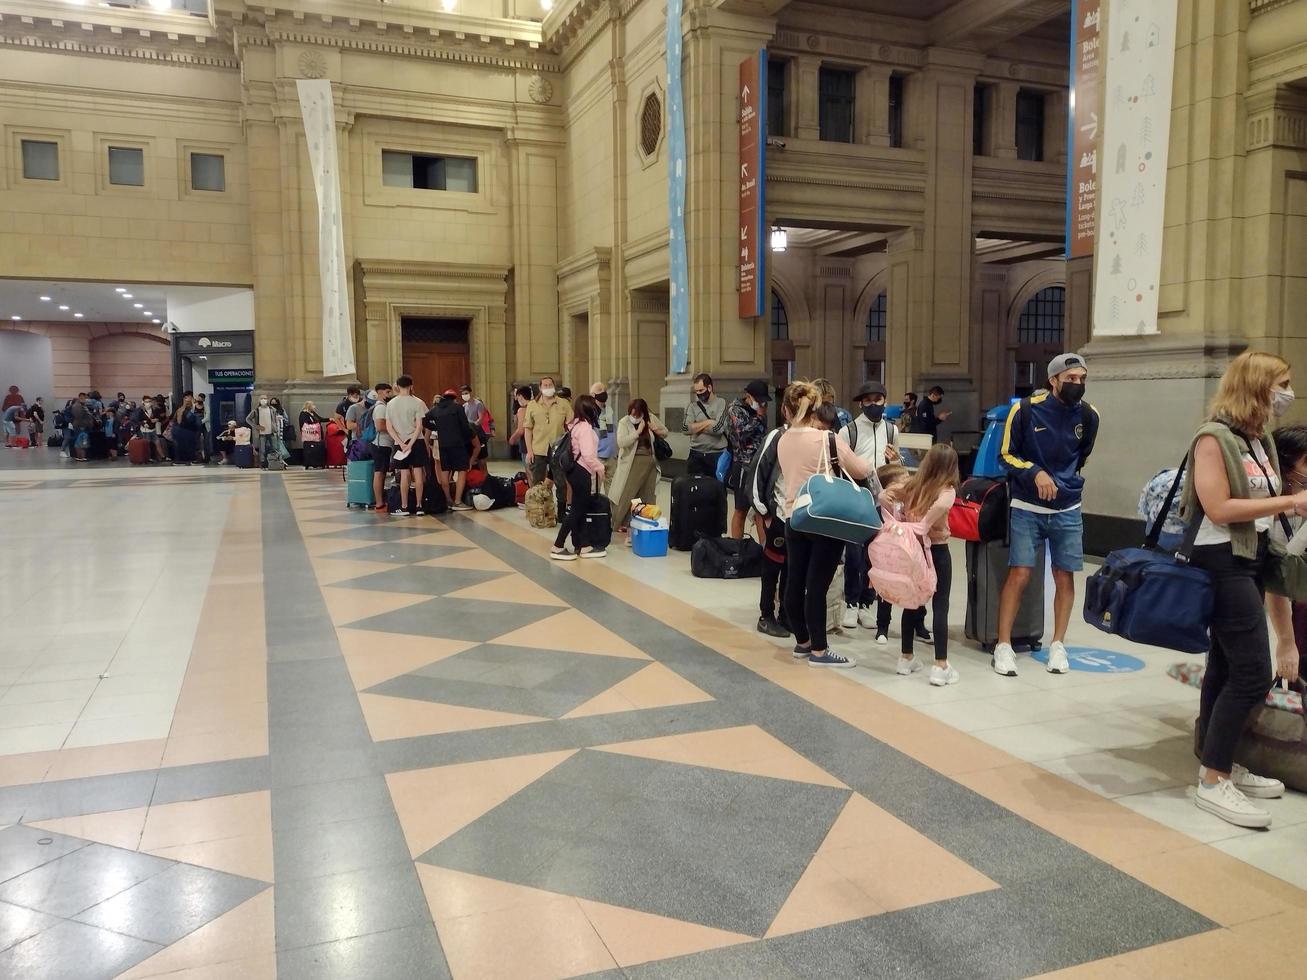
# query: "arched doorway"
1041,334
873,356
782,348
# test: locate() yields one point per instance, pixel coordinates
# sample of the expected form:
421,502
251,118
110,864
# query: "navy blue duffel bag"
1153,597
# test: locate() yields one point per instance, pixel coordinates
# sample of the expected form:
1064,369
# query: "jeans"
582,482
1064,532
267,446
700,463
912,618
1239,663
857,591
812,562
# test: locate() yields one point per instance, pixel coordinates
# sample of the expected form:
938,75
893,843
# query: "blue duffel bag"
1150,596
831,505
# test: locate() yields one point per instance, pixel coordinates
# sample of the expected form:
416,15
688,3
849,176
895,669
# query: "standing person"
147,427
803,451
705,423
636,475
185,431
82,421
746,425
522,396
14,418
543,425
309,416
383,446
202,434
36,418
404,415
585,478
607,429
1291,447
842,415
908,410
353,395
482,423
1046,442
927,419
1236,492
14,397
454,434
876,442
280,421
767,497
262,421
926,498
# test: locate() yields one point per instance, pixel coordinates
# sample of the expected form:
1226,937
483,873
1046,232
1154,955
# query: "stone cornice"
449,270
1277,118
87,33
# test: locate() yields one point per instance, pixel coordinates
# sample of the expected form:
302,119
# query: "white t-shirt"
384,438
404,416
1259,488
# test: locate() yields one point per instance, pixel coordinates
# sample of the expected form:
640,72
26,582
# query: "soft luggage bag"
315,456
20,442
698,510
986,573
541,510
358,483
980,511
598,523
138,451
726,558
499,490
275,462
335,444
243,456
54,442
833,506
98,447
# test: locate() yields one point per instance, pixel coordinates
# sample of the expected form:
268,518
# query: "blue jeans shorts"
1064,532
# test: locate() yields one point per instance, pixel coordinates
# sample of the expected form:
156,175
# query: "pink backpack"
902,570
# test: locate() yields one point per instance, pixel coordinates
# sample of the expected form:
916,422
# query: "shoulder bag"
1150,596
831,505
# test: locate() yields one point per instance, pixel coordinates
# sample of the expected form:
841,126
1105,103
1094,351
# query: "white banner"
1139,63
320,134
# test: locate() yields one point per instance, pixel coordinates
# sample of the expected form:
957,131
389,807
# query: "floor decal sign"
1138,60
679,274
1094,661
319,112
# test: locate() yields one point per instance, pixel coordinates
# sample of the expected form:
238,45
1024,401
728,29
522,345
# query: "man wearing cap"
453,433
1046,442
746,425
874,439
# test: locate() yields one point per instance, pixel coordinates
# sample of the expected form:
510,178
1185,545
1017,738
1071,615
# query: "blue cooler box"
648,538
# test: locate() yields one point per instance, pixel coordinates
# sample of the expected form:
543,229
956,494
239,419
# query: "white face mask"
466,397
546,392
1281,401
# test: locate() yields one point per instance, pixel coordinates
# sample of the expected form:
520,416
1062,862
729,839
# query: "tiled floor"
245,733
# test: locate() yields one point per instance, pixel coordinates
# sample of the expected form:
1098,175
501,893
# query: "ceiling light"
127,295
15,318
156,321
779,239
120,289
447,6
78,315
139,306
161,4
64,308
546,5
147,313
45,299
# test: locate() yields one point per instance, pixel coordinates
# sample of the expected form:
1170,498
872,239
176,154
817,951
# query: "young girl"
926,498
585,479
812,558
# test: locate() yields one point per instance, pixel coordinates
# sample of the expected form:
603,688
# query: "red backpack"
980,511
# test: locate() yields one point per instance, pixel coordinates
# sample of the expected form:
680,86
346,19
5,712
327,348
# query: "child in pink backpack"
925,498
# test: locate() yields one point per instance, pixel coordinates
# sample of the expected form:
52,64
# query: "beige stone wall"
108,357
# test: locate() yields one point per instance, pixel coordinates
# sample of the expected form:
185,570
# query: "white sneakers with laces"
850,618
1057,659
866,617
1225,800
907,666
1005,660
944,676
1252,785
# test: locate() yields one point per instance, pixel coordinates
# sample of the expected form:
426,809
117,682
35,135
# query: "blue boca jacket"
1044,435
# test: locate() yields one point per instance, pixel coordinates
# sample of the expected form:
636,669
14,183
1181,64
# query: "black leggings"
912,618
812,563
1239,663
582,482
774,573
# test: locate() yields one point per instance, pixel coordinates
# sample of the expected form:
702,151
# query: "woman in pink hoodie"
585,478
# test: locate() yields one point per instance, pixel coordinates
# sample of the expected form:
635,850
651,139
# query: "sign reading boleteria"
753,158
1082,173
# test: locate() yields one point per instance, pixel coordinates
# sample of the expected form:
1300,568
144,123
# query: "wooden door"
436,368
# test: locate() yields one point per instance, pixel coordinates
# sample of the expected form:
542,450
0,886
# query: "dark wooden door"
436,355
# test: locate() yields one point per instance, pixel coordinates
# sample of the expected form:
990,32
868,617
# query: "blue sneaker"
801,653
829,659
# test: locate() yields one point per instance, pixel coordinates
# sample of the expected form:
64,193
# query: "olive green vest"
1243,536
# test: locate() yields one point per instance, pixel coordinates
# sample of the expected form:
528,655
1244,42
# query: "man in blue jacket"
1046,442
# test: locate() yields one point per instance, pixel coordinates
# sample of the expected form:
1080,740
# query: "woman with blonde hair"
926,498
1236,494
802,452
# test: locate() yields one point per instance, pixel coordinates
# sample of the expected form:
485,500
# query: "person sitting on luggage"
926,497
148,428
226,443
637,474
1046,443
453,434
585,478
804,451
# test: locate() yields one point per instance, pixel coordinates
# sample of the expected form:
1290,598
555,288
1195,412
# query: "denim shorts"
1064,532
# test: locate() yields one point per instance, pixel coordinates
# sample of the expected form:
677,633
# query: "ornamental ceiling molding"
558,34
844,181
114,41
857,50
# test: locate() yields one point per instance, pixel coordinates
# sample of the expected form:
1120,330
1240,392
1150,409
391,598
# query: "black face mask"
1071,392
702,396
874,413
602,399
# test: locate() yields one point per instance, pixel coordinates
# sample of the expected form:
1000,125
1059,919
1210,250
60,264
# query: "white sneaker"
1252,785
882,640
907,666
1005,660
1227,802
850,619
866,617
1057,662
943,676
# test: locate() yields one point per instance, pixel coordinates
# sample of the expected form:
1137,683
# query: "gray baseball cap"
1066,362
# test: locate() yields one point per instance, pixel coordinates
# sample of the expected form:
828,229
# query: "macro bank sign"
204,343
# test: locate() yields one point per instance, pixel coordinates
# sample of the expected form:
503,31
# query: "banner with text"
753,163
1082,134
1138,63
679,265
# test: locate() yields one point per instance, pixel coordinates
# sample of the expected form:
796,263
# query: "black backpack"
726,558
562,460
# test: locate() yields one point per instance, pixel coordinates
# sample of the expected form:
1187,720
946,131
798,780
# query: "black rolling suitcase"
698,510
598,523
986,573
315,456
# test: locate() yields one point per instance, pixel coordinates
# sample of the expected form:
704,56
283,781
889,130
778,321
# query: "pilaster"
807,97
871,106
1002,120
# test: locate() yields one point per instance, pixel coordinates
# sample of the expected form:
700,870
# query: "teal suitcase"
358,483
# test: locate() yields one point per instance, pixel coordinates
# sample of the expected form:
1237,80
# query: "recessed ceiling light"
64,308
45,299
147,313
156,321
15,318
127,295
139,306
78,315
120,289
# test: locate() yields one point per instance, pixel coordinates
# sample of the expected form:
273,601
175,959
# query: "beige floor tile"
637,937
332,570
391,717
350,605
240,943
118,828
216,746
373,657
654,686
25,767
454,894
574,631
511,588
474,559
219,717
101,760
249,855
217,818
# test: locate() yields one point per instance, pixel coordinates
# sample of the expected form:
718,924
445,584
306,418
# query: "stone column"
807,96
871,106
1002,120
1056,112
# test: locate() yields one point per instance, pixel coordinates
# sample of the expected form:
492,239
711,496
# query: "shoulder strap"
834,455
1284,521
852,430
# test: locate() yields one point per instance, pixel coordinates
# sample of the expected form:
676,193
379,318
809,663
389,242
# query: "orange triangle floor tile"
453,894
392,717
350,605
472,560
374,656
654,686
118,828
573,632
746,749
639,937
332,570
434,803
210,819
249,856
511,588
246,932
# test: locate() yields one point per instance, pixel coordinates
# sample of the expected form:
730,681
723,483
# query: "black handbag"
726,558
662,449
